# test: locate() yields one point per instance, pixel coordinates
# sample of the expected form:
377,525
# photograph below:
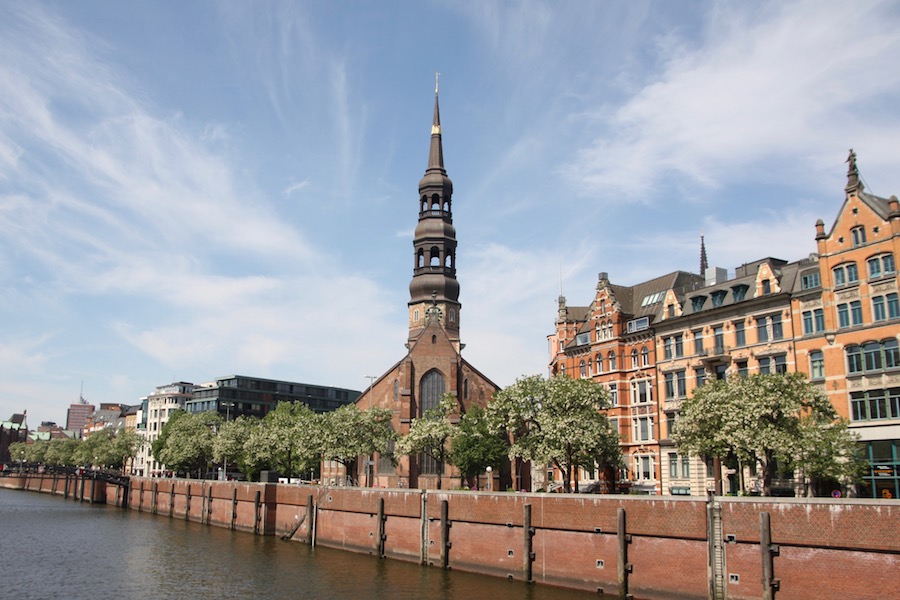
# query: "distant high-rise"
77,415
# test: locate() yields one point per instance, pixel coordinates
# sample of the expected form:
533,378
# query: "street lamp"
227,406
490,475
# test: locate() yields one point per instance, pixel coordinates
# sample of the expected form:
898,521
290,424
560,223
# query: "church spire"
704,264
436,151
434,286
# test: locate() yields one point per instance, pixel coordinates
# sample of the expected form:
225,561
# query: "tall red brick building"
433,364
833,315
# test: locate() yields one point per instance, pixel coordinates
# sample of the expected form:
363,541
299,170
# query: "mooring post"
624,567
233,506
126,493
256,515
81,495
445,534
310,529
423,534
141,497
769,551
171,499
187,503
209,497
315,522
154,496
528,539
66,488
381,535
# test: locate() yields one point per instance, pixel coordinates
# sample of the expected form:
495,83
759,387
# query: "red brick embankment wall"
651,547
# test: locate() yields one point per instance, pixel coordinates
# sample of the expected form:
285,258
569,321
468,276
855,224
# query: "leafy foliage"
186,440
431,433
475,447
770,420
287,440
106,448
557,420
348,433
229,445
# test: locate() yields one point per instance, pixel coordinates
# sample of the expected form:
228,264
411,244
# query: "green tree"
288,440
229,445
98,449
475,447
61,452
348,433
431,433
19,452
557,420
186,440
125,447
769,420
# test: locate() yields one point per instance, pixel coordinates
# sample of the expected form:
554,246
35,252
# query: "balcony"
718,353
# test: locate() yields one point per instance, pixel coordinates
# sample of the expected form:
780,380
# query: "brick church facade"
433,364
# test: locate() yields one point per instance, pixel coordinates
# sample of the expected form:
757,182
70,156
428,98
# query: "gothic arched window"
432,388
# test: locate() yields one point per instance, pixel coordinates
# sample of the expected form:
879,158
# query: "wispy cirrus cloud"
760,87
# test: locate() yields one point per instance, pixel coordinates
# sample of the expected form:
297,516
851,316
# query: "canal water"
56,548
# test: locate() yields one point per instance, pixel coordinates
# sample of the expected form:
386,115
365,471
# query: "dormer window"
718,297
739,292
858,236
810,280
766,287
697,303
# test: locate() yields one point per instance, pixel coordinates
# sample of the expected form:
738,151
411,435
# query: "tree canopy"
475,447
431,433
186,441
768,419
347,433
557,420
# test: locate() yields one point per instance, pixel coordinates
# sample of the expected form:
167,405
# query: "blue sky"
194,189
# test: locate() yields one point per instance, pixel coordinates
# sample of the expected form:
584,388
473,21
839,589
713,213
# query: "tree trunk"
768,473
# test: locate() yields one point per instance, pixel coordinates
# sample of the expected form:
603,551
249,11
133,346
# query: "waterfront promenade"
650,547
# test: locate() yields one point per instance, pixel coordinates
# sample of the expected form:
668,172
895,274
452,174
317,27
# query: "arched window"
420,258
432,388
582,369
599,362
634,359
452,315
435,202
612,360
435,257
434,339
645,357
416,315
396,389
466,389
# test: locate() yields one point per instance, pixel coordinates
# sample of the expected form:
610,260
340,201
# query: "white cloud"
762,86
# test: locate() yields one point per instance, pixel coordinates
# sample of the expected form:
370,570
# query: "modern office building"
235,395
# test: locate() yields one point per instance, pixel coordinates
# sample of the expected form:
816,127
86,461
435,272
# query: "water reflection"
52,547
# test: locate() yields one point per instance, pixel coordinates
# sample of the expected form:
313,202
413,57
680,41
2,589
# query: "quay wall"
649,547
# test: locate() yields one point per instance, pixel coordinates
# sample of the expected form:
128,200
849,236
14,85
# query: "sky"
195,189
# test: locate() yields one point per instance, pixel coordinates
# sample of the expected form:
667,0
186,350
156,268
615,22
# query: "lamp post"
227,406
490,474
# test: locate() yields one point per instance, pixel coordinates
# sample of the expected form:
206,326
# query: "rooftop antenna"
81,399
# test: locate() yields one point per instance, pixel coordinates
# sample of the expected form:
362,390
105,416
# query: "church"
433,364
